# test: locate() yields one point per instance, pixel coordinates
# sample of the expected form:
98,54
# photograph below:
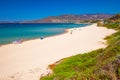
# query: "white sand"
29,60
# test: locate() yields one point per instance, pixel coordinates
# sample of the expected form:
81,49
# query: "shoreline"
24,40
30,59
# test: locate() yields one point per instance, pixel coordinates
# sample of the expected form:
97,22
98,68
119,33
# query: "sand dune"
29,60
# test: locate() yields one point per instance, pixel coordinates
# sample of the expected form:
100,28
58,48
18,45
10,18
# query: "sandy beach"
30,59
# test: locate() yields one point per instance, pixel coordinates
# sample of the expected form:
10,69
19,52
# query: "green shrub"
99,24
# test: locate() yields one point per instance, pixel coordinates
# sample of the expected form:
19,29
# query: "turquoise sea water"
11,32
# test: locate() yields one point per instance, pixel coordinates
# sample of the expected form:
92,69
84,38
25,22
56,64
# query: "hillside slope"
101,64
70,18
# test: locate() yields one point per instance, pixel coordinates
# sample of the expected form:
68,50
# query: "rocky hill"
70,18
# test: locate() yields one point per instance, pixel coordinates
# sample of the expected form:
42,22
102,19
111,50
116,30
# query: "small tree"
99,23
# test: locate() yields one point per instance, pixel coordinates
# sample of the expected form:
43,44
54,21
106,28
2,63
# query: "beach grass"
88,66
93,65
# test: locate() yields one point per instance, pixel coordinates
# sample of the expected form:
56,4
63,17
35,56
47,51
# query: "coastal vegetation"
101,64
113,22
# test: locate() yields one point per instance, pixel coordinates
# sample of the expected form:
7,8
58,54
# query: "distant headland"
67,18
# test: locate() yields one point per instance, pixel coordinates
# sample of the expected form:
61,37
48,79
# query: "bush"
99,24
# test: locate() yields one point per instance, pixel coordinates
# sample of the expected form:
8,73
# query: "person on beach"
41,37
71,32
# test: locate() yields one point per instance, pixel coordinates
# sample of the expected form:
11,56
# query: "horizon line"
54,16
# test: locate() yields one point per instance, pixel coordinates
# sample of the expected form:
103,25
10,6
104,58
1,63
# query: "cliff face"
70,18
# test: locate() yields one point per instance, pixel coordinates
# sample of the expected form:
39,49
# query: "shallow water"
11,32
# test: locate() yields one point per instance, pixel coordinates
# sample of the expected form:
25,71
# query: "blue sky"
16,10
